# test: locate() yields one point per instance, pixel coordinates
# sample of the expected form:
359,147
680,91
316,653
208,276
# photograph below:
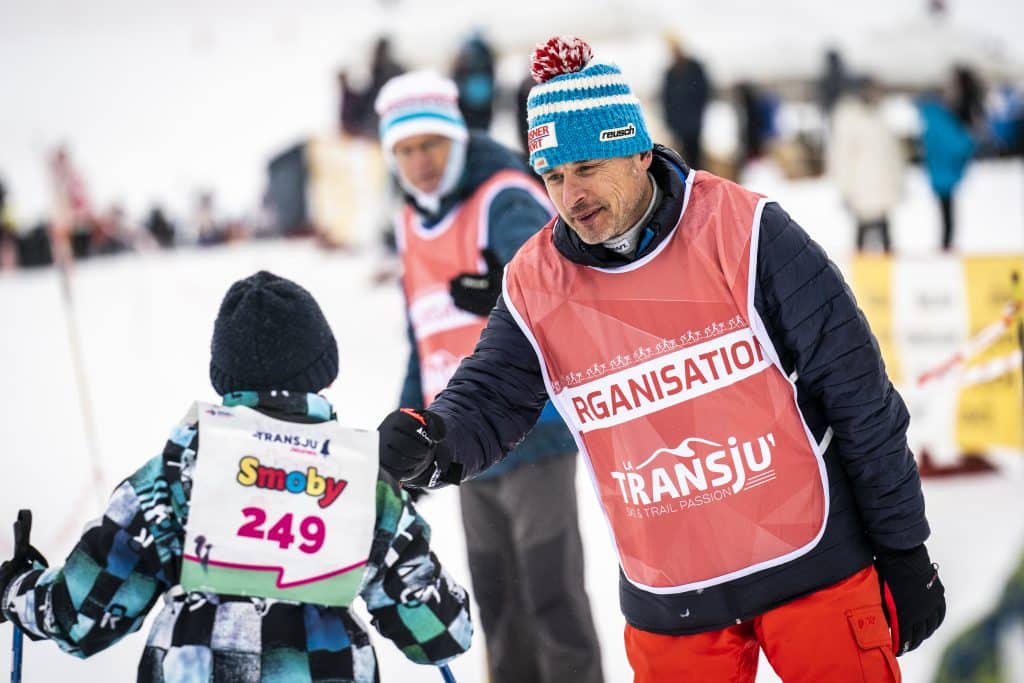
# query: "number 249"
311,528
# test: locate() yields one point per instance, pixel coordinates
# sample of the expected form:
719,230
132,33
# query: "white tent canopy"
922,52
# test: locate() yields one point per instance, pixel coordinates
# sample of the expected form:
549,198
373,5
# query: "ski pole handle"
22,548
16,656
446,674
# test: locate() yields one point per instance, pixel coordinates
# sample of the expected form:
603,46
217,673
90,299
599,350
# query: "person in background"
743,438
866,162
73,217
207,227
968,99
111,233
522,95
469,205
353,119
1006,119
947,146
685,94
749,110
833,82
356,115
160,227
383,67
473,73
272,351
8,240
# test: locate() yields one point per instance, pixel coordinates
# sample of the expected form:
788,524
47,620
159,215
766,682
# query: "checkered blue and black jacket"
130,557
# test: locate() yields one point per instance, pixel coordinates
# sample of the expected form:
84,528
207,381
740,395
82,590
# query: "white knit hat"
418,103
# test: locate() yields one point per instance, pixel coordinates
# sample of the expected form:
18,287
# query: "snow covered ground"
143,325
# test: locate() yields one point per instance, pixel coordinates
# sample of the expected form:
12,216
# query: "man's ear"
646,158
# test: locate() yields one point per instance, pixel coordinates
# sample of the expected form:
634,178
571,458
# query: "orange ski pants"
837,634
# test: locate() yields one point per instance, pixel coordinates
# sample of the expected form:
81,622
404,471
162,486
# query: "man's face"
422,159
600,198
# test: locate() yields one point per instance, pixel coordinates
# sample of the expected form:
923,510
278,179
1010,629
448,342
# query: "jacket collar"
284,405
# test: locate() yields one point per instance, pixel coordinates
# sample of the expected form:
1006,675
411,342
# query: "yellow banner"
346,188
991,413
871,280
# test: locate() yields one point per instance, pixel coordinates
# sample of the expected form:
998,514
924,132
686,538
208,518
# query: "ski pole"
446,674
63,264
16,656
22,549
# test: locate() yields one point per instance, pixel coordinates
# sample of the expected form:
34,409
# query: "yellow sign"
871,279
991,413
346,188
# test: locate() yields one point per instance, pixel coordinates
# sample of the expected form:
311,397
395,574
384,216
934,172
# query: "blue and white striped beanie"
418,103
580,109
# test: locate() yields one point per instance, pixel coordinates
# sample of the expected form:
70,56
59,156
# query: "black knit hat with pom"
271,334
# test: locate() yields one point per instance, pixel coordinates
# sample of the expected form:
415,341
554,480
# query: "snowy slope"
143,325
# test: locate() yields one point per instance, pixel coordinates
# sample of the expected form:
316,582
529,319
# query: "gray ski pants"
526,564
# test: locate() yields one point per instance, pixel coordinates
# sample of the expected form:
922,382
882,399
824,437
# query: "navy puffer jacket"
822,339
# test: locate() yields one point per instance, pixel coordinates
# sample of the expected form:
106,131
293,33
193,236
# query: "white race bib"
279,509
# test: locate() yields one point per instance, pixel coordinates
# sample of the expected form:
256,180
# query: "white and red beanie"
418,103
580,109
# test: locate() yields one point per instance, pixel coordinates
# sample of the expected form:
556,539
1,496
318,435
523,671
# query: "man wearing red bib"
470,204
747,448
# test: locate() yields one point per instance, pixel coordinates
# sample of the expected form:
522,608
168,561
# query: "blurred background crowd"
944,98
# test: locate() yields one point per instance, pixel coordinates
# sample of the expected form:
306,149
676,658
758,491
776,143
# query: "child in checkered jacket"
130,557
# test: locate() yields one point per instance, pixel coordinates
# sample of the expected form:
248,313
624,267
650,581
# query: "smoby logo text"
253,473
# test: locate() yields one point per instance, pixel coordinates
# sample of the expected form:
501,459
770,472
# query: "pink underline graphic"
279,570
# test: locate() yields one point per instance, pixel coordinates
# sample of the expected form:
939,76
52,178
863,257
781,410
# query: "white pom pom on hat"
559,55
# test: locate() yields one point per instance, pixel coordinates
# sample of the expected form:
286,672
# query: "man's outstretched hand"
411,446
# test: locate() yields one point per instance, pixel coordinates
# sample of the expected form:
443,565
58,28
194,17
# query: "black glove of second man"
478,292
412,448
913,596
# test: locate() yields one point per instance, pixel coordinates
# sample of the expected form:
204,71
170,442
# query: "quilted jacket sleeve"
821,334
495,396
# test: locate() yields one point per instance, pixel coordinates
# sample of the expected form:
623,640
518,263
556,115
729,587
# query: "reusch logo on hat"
609,134
541,137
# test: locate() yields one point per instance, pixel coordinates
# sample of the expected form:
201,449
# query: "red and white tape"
984,338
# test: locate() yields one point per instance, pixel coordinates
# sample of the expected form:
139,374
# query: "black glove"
412,448
478,292
25,556
912,595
